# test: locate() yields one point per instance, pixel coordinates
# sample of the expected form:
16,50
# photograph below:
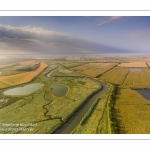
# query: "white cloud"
109,19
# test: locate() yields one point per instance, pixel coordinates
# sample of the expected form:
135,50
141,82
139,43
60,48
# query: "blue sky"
72,35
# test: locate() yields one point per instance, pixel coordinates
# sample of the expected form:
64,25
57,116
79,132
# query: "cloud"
109,19
27,39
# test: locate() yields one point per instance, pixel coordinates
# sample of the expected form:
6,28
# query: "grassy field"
138,79
98,119
133,64
72,64
94,69
128,79
48,112
115,75
132,112
12,80
42,108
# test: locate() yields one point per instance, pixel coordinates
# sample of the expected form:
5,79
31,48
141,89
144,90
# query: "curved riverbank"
74,121
69,126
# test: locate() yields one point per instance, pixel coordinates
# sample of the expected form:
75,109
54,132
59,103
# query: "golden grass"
90,69
6,81
29,62
5,65
148,64
125,78
115,75
133,64
132,112
98,120
138,79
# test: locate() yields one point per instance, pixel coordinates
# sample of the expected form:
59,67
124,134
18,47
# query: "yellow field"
125,78
138,79
27,63
132,112
116,75
6,81
148,64
7,65
133,64
91,69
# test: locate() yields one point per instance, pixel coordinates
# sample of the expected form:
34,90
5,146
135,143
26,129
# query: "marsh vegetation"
48,93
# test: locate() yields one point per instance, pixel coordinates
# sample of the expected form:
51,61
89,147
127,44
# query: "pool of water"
59,90
145,93
53,65
24,90
65,71
78,70
99,68
135,70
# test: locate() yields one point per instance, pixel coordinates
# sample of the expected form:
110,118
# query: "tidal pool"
24,90
59,90
65,71
145,93
135,70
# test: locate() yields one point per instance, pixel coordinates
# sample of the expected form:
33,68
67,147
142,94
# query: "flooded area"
145,93
78,70
24,90
134,70
59,90
99,68
65,71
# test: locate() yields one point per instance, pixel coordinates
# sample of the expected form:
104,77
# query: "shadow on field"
122,129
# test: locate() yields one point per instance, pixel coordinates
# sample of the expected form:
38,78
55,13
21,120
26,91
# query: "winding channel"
74,121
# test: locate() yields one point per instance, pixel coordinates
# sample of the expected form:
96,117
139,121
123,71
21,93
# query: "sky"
74,34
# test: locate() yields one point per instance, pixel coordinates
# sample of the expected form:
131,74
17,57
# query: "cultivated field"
138,79
132,112
116,75
133,64
72,64
48,112
94,69
29,62
12,80
5,65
